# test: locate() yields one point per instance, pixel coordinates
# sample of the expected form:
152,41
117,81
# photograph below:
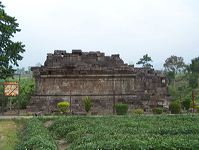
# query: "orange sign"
11,88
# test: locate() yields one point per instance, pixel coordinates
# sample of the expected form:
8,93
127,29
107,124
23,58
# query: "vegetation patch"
36,137
138,111
157,110
121,109
128,132
63,107
8,134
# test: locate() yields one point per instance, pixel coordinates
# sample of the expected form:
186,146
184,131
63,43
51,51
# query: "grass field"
8,134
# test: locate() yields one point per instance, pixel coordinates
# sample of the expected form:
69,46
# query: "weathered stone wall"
86,85
72,76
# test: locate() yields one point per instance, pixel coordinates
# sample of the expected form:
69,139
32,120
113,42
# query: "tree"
170,76
10,51
194,66
20,70
174,64
193,80
194,73
145,61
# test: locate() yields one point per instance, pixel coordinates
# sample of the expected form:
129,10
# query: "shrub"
174,107
121,109
138,111
186,104
63,106
157,110
87,103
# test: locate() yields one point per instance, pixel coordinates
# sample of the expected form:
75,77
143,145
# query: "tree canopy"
10,51
194,73
145,61
194,66
174,64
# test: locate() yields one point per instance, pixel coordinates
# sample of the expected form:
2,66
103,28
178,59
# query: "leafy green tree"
145,61
174,64
170,76
193,72
193,80
10,51
194,66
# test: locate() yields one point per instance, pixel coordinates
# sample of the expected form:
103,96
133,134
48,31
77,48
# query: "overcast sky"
131,28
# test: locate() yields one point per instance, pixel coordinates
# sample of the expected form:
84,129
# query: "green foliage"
63,106
145,61
27,86
193,80
175,107
170,76
121,109
194,73
128,132
182,89
36,137
10,52
87,103
194,66
157,110
138,111
174,64
186,104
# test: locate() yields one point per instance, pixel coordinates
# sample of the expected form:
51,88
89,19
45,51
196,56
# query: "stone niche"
106,79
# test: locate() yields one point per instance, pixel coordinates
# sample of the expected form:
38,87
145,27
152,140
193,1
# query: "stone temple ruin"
107,79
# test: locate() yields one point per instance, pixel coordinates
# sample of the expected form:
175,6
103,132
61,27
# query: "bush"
157,110
121,109
87,103
174,107
63,106
138,111
186,104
